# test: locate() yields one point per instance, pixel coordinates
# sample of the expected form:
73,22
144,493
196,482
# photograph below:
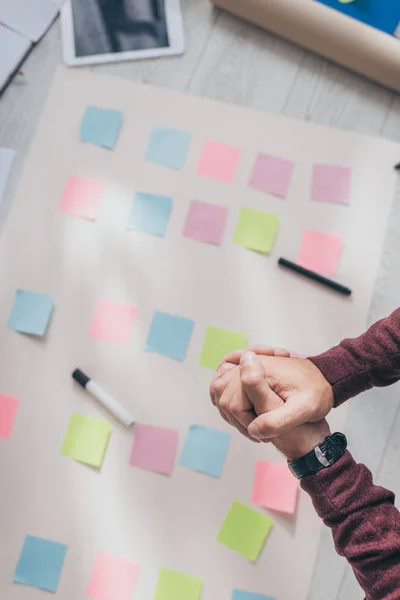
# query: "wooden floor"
231,61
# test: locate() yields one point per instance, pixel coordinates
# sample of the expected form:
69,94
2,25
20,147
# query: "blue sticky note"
205,450
168,147
40,563
169,335
242,595
100,126
381,14
31,312
150,213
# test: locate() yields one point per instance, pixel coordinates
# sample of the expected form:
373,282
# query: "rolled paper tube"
328,32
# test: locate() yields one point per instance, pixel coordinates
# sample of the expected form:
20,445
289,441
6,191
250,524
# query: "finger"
261,350
255,386
256,389
220,381
282,353
282,420
234,357
224,407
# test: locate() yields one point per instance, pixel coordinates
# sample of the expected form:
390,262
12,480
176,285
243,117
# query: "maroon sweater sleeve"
364,522
371,360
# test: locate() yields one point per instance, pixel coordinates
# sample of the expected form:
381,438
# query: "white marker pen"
105,400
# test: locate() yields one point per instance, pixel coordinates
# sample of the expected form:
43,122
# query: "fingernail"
248,358
256,433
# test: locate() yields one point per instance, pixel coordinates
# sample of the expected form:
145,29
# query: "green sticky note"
86,440
172,585
218,343
256,230
245,530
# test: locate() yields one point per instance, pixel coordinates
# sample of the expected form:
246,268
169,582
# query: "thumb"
280,421
255,386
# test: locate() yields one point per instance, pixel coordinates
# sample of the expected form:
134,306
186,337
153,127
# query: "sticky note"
82,198
31,312
245,530
8,410
169,335
150,213
40,563
320,252
256,230
86,440
205,222
113,322
101,126
331,184
205,450
219,161
272,175
172,585
168,147
154,448
275,488
218,343
242,595
112,578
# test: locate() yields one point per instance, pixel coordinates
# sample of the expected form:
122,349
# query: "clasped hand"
269,396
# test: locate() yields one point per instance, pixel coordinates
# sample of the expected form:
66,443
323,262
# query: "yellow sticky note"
256,230
218,343
172,585
245,530
86,440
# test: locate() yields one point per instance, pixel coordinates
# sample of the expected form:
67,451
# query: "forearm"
364,522
356,365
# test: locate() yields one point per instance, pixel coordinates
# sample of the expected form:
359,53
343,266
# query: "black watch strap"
323,456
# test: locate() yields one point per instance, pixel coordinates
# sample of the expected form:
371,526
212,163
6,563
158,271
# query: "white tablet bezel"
175,35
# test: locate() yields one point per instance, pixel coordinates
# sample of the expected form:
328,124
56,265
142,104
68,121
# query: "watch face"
321,457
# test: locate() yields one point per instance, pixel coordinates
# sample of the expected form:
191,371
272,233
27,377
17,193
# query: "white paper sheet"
6,160
153,520
31,18
13,48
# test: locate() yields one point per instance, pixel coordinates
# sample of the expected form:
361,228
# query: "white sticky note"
6,160
32,18
13,48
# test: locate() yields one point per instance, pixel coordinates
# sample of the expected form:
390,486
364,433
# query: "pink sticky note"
272,175
331,184
112,578
113,322
154,448
320,252
205,222
275,488
219,161
82,198
8,409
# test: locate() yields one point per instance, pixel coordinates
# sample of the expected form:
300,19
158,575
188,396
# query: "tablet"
102,31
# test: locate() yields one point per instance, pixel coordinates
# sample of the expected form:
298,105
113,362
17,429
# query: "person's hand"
300,440
236,408
307,395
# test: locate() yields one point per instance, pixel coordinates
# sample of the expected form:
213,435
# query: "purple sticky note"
205,222
154,448
272,175
331,184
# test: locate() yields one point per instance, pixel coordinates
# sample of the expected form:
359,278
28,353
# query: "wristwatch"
323,456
